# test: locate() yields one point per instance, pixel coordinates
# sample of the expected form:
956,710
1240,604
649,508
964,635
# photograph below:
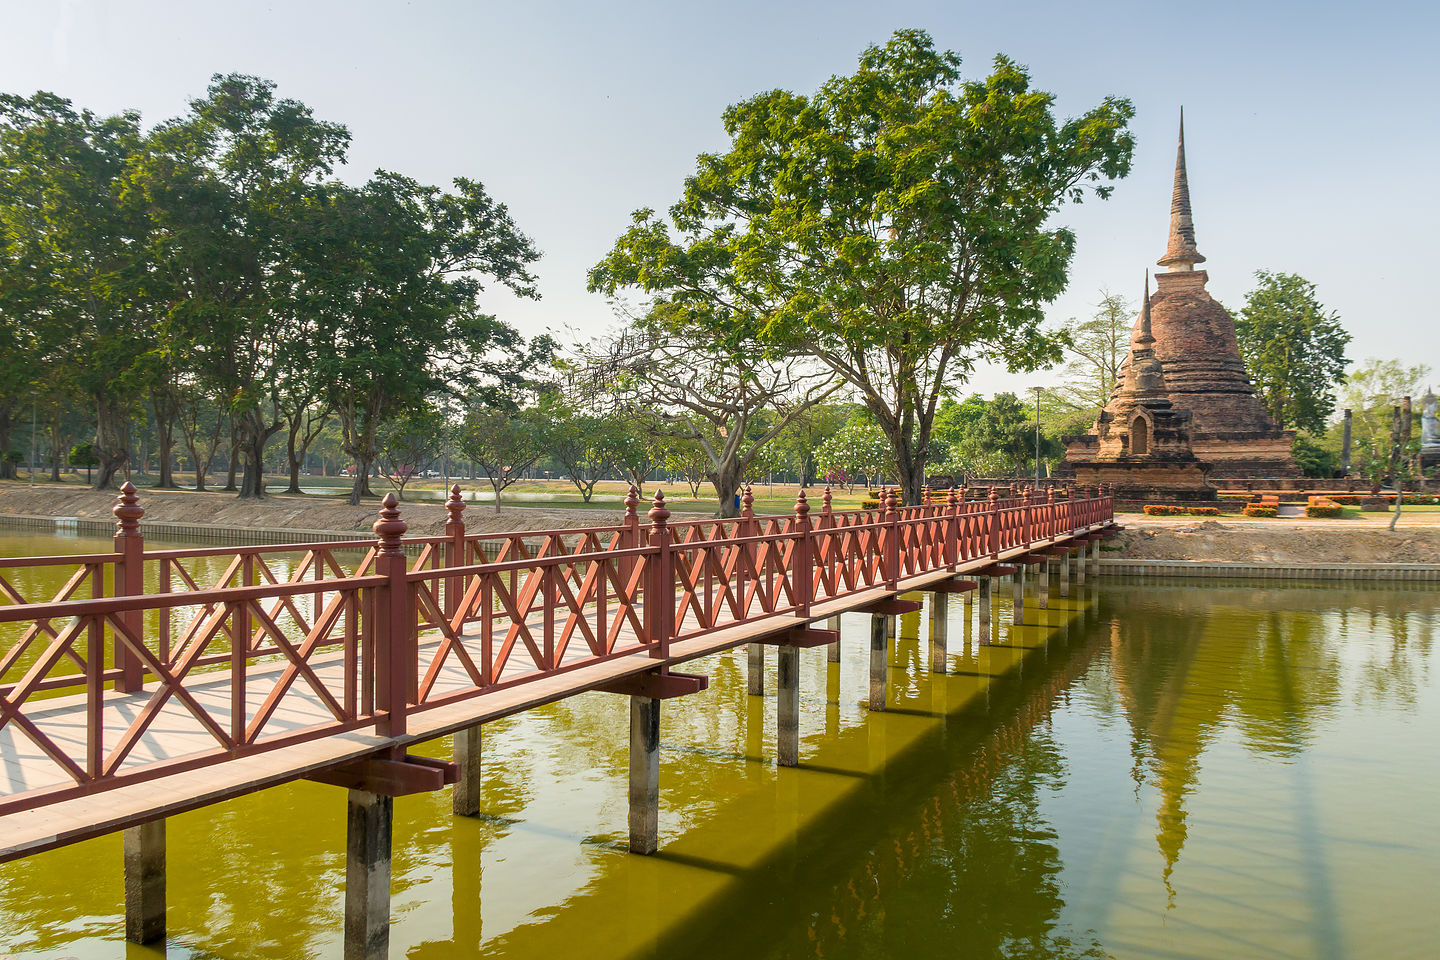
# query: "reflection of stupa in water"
1185,673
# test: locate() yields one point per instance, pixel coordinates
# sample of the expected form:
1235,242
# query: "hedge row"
1259,510
1170,510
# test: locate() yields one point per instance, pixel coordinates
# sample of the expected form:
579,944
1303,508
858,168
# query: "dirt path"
1416,540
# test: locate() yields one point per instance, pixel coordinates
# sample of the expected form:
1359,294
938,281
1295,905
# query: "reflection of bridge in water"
165,695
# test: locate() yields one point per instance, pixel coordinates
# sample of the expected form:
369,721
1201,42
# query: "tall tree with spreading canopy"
1294,350
894,225
74,273
227,186
390,277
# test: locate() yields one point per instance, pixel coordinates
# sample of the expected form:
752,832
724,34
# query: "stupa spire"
1180,252
1145,336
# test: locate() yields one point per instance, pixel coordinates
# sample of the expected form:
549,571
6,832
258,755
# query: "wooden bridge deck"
176,733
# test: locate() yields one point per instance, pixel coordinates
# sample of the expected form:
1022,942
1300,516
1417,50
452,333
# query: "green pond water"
1158,771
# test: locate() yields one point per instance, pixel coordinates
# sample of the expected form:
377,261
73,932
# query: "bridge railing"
242,649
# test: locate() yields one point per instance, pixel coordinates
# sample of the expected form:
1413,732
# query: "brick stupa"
1194,341
1142,445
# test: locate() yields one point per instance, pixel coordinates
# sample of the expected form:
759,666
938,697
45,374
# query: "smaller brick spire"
1181,253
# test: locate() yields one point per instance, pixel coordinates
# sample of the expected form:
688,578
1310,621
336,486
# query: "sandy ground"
305,513
1362,540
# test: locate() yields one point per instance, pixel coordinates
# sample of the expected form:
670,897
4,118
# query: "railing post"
394,627
454,548
802,568
129,581
660,585
1027,517
892,538
630,533
1052,514
994,500
952,529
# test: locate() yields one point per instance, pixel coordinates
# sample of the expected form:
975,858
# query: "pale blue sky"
1310,126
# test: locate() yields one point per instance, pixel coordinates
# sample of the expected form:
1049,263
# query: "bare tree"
1097,347
730,399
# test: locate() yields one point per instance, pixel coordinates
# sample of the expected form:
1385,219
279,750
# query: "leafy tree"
83,455
412,443
895,225
501,442
858,448
583,444
226,186
687,460
1293,350
1097,347
74,272
391,276
1315,457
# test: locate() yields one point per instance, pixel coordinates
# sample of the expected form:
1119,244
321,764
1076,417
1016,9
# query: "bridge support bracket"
892,607
656,685
803,638
390,777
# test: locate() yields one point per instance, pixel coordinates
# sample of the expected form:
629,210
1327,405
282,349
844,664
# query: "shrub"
1163,510
1259,510
869,504
1204,511
1324,511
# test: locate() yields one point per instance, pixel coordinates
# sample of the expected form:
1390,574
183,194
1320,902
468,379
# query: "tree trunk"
111,448
294,461
233,466
361,486
726,481
254,434
56,454
165,433
7,469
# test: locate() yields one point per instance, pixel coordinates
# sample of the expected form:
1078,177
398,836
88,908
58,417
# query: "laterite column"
986,586
1042,589
1095,558
1065,574
879,654
145,882
832,650
1080,566
465,799
756,676
939,625
644,774
1017,614
787,710
369,826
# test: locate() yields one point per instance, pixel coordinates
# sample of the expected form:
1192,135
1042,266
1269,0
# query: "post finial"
455,505
632,503
825,506
747,502
953,497
659,513
388,527
802,506
127,511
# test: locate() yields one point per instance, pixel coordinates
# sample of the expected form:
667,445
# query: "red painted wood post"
394,627
994,500
1027,517
952,529
749,529
1052,514
454,548
660,585
629,534
827,522
890,502
802,566
129,582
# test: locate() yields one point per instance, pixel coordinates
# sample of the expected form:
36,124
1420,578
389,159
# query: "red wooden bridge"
140,690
